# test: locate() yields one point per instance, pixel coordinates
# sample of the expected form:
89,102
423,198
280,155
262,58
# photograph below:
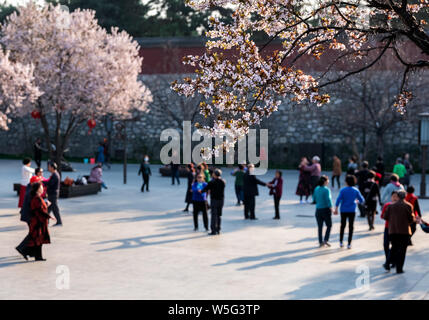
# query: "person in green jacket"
206,172
238,174
400,170
324,208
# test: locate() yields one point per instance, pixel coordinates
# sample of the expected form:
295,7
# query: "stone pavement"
124,244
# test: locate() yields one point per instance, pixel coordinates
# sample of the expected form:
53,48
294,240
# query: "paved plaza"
124,244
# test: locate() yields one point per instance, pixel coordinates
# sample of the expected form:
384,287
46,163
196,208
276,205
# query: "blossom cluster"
243,83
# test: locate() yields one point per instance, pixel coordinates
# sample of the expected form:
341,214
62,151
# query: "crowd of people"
365,189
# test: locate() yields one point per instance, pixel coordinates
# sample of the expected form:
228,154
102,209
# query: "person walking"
100,154
191,178
38,225
175,172
250,191
96,175
371,193
400,216
394,185
352,165
336,171
26,173
303,189
53,191
106,151
322,197
276,190
386,239
400,170
238,184
315,171
379,168
199,201
146,173
216,186
414,201
362,177
346,201
37,152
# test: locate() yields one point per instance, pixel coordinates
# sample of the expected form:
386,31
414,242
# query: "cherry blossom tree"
17,88
83,71
243,82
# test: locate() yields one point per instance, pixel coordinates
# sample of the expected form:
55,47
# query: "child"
276,189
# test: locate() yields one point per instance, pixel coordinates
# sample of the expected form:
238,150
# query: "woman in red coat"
38,234
276,189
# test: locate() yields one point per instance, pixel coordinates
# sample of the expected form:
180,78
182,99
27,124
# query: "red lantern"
91,125
35,114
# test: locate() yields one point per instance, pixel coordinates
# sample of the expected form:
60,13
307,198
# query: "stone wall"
294,131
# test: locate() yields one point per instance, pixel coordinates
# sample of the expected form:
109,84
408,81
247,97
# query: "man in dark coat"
362,177
37,151
217,196
400,216
53,191
250,191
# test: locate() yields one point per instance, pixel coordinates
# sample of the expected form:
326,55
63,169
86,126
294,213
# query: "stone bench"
71,191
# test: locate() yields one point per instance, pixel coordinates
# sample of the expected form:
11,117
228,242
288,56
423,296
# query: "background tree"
362,109
127,15
5,10
153,18
241,82
17,89
83,72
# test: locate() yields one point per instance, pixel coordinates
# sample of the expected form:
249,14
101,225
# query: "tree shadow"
13,228
13,260
138,242
282,257
356,235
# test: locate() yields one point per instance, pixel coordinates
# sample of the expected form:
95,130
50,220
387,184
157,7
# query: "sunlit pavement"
124,244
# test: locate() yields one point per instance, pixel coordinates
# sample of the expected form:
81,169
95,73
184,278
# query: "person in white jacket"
26,173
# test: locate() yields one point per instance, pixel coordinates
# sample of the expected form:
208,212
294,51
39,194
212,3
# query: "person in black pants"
146,172
217,196
276,189
191,179
362,178
399,216
199,201
175,172
37,150
371,192
53,191
250,191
